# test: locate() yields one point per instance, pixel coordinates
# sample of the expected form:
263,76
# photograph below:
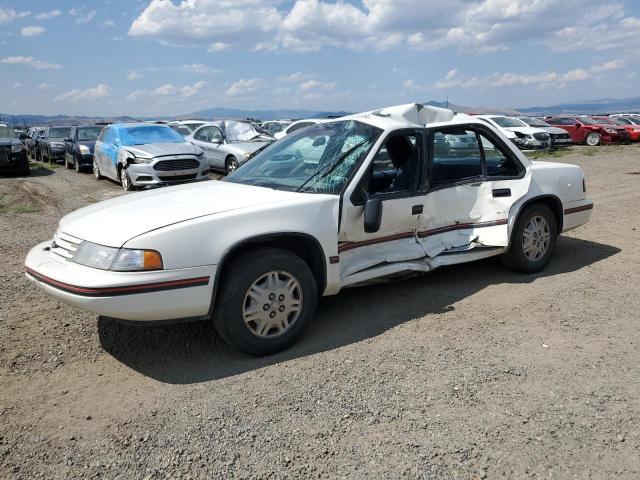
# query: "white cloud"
76,95
474,26
133,76
44,86
542,80
199,69
84,16
246,88
31,62
170,91
32,31
17,85
108,24
316,85
218,47
8,15
48,15
297,77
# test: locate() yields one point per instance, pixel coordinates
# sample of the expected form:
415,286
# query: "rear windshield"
506,122
60,132
6,132
144,134
88,134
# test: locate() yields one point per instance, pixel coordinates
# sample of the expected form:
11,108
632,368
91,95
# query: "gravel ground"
469,372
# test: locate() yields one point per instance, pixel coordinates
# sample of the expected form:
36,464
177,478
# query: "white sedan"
380,196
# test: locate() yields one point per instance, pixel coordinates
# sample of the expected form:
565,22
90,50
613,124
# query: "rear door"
471,190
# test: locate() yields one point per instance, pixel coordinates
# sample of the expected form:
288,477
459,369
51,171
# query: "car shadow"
39,171
192,353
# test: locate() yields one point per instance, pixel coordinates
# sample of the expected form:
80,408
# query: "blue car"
145,154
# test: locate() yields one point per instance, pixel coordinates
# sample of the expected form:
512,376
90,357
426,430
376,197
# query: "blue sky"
166,57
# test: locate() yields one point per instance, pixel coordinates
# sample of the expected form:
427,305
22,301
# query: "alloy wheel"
593,139
272,304
536,238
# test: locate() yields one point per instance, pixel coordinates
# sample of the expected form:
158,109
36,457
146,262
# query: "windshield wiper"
333,166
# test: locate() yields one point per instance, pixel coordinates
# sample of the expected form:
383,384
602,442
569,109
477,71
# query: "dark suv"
13,153
52,147
78,147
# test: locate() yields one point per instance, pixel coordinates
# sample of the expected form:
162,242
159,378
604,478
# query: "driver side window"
202,135
397,167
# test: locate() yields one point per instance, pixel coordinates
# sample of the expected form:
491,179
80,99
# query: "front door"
474,179
396,177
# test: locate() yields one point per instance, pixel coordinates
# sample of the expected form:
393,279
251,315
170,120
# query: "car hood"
247,147
9,141
525,130
159,149
554,130
114,222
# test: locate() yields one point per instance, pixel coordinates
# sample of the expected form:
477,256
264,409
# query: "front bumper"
527,144
13,162
86,160
148,174
137,296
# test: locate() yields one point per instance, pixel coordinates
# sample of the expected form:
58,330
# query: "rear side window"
463,154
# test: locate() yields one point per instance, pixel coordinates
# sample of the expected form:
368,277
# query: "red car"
588,131
632,130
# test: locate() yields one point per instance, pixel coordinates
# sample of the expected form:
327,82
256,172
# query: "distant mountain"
604,105
28,120
219,113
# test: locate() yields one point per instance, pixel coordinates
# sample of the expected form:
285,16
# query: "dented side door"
473,212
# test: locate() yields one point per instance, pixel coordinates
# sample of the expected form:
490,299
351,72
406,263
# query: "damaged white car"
379,195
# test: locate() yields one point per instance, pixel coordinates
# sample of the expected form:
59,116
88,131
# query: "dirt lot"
469,372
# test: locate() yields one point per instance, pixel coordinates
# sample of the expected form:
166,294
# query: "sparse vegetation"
547,154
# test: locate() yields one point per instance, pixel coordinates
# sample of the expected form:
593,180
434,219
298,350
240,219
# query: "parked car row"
13,152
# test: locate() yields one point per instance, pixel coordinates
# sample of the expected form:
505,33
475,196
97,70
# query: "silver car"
227,144
559,136
145,154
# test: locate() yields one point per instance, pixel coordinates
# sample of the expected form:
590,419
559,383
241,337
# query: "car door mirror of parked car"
577,125
372,215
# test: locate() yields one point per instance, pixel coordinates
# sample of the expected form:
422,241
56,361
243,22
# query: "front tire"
96,171
267,296
533,240
77,166
125,180
593,139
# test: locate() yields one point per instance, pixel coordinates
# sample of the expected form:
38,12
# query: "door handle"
501,192
417,209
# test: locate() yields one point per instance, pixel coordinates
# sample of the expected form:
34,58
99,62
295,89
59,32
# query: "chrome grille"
179,164
64,246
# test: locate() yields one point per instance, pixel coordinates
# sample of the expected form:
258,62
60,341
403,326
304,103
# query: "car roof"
138,124
411,115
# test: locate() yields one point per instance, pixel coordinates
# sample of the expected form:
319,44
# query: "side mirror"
372,215
68,140
577,125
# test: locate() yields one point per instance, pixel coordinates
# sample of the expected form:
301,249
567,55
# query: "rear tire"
593,139
266,298
532,240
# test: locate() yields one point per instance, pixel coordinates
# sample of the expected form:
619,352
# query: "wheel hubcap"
536,238
272,304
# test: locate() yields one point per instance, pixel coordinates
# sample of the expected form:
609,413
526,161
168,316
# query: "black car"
78,147
32,141
52,147
13,154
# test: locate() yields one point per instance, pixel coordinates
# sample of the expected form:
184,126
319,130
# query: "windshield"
144,134
6,132
506,122
319,159
60,132
182,130
588,121
605,120
88,134
534,122
239,131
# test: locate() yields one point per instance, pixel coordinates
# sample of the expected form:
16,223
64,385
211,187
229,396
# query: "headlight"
16,148
117,259
84,150
610,130
139,159
636,130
